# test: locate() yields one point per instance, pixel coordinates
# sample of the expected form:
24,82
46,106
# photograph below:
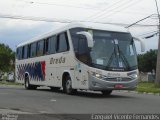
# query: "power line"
122,24
101,12
62,20
139,21
34,18
150,36
115,8
62,5
65,5
150,32
123,7
129,12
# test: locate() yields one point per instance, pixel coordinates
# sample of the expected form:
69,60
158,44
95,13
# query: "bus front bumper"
99,84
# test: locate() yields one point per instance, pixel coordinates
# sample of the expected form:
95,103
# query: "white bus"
79,56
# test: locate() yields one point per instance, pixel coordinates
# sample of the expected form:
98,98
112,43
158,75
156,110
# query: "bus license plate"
118,86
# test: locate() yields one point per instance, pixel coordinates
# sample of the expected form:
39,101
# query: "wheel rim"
68,86
26,83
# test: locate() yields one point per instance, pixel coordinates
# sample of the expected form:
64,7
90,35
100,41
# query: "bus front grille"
118,79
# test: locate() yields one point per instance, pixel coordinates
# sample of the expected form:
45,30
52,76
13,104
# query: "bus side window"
28,51
46,45
62,43
83,50
25,52
17,53
52,44
20,53
40,47
33,49
75,37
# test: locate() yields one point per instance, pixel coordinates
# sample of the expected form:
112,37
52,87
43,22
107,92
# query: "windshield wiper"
123,58
121,55
111,58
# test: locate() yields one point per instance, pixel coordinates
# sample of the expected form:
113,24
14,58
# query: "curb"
136,92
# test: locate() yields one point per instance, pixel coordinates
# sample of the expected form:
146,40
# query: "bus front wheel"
68,86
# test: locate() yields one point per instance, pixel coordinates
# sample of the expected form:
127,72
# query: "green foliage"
147,87
9,83
157,85
7,57
147,62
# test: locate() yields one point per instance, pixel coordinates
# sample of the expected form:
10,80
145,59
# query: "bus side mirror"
141,42
89,38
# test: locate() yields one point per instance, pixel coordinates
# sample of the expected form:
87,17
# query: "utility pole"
157,81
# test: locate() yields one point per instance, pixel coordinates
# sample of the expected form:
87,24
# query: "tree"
147,62
7,57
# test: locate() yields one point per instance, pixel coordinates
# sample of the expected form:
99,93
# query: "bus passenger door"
82,54
81,76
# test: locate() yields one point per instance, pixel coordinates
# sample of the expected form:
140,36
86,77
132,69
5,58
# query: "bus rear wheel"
28,86
106,92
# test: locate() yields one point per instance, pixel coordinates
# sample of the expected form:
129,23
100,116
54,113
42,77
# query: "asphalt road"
44,101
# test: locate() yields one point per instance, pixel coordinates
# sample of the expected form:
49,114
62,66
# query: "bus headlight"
97,75
134,76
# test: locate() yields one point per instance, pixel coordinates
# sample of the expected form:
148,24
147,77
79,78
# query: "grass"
148,87
9,83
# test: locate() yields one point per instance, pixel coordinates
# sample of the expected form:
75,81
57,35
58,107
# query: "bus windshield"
114,51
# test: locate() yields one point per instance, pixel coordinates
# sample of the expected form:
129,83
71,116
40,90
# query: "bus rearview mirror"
88,36
141,42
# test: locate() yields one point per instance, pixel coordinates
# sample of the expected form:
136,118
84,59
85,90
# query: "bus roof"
97,26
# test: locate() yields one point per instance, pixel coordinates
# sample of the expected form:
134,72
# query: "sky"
123,12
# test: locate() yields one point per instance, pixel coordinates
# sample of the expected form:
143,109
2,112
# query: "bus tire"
68,85
106,92
27,84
